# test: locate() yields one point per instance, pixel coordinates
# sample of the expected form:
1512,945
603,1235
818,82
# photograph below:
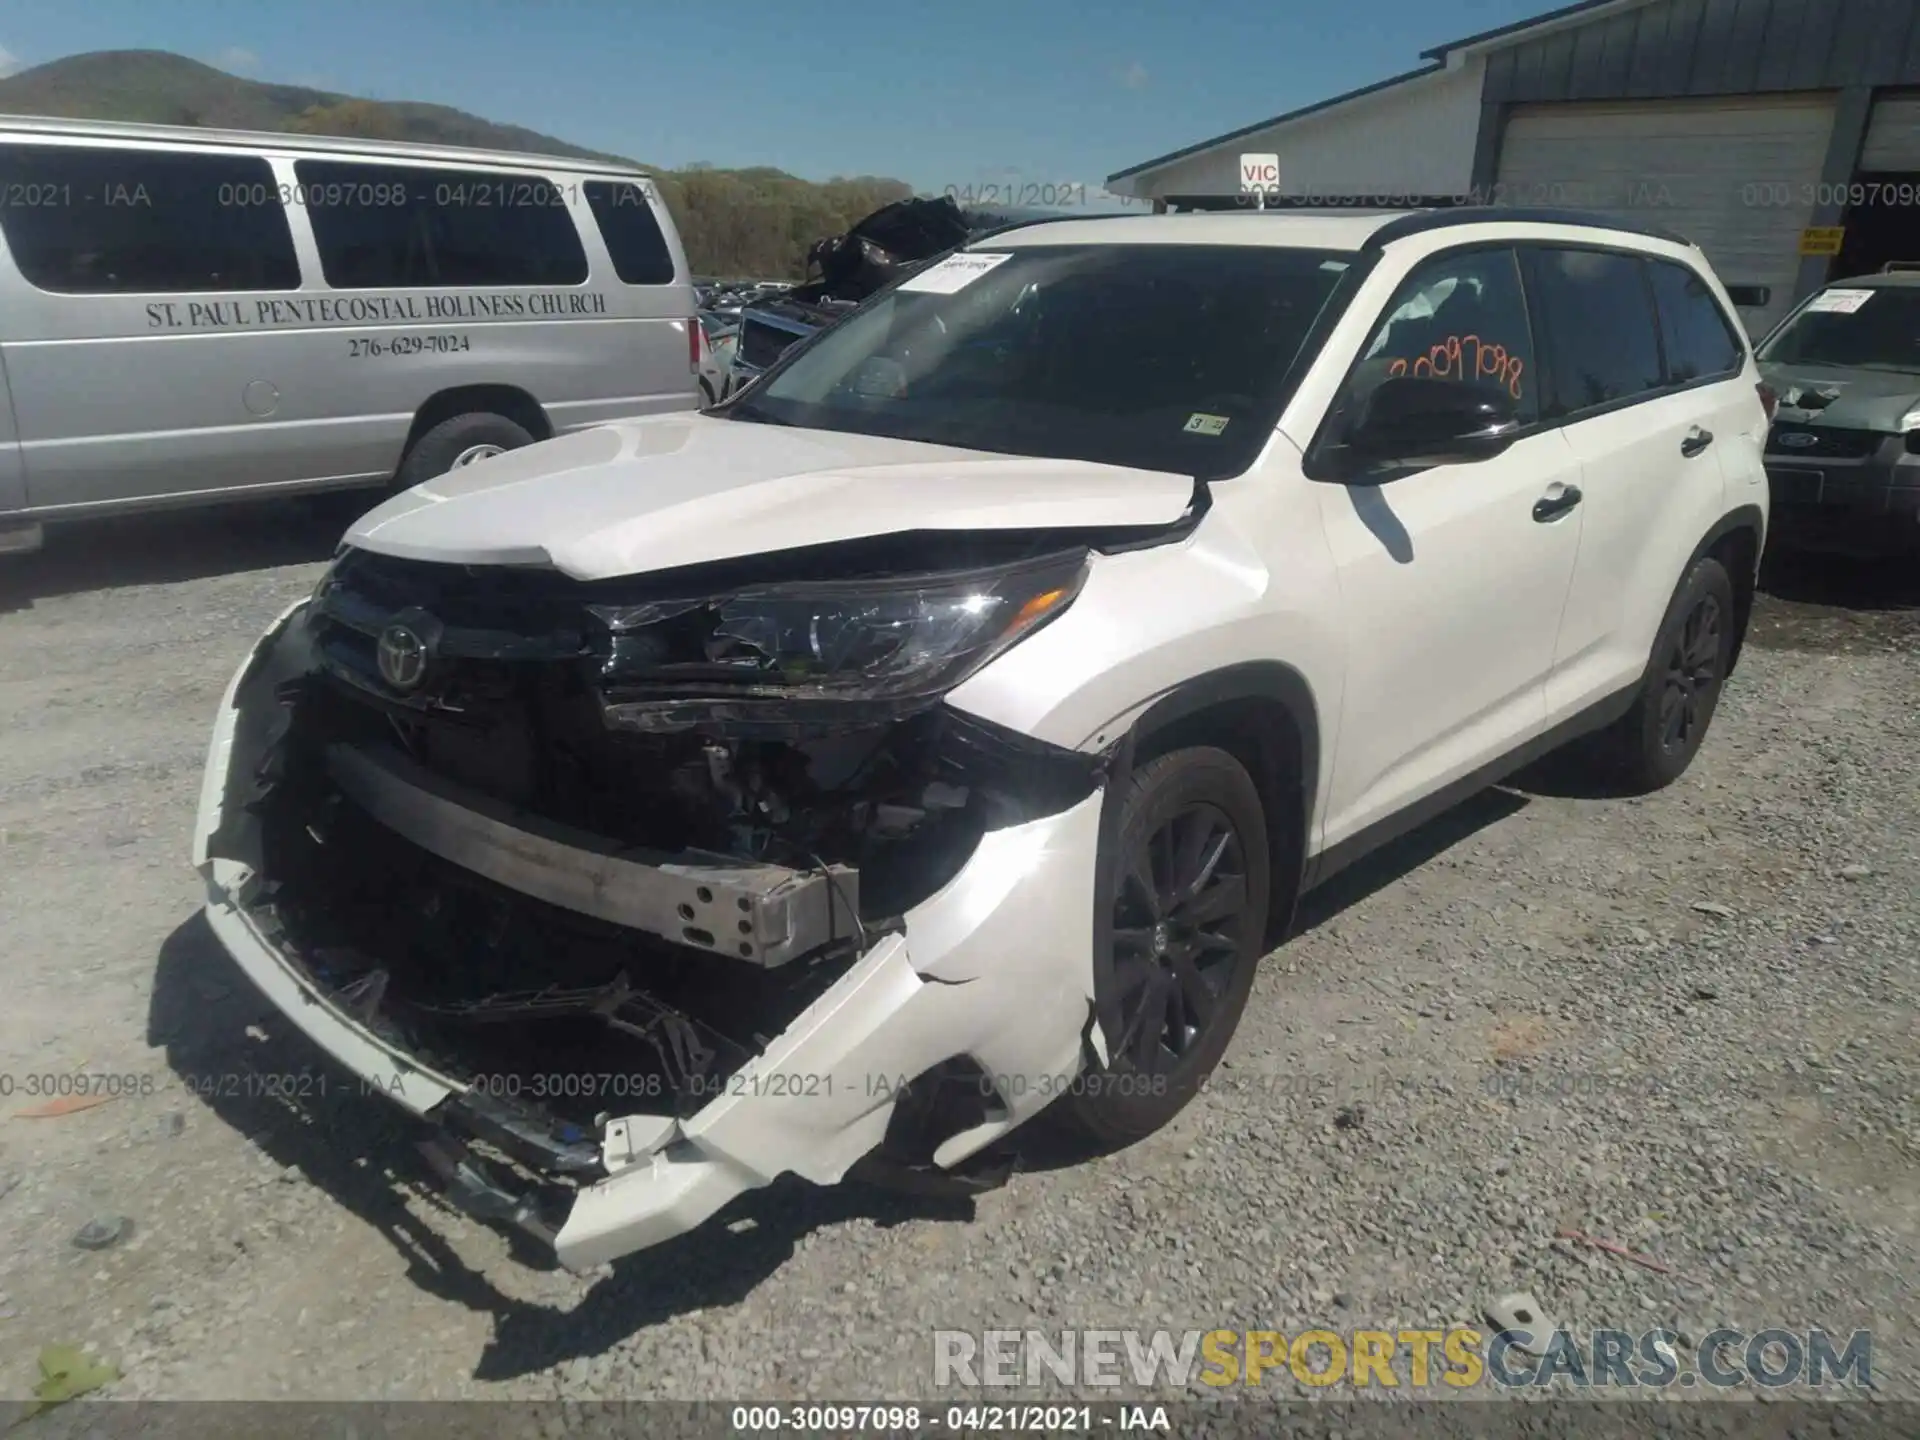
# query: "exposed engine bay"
585,848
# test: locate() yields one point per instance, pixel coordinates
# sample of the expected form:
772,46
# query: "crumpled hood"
675,490
1845,399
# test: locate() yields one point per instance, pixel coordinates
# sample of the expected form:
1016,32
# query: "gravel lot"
1522,1019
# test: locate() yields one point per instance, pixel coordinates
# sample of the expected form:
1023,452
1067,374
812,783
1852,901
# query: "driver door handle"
1696,441
1556,502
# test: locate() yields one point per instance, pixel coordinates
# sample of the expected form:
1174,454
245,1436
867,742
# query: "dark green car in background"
1843,455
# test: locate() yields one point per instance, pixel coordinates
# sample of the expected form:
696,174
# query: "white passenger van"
191,315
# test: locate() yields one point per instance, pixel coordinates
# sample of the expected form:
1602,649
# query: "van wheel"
459,442
1189,908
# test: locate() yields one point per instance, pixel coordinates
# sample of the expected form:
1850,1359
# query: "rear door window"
634,240
414,227
1597,328
1700,340
99,220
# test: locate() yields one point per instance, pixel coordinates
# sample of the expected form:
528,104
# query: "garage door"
1736,177
1893,136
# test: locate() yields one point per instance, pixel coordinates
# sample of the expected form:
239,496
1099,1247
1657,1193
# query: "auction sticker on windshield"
1199,424
953,273
1846,301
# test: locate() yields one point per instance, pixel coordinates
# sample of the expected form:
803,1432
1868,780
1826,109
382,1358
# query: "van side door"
139,366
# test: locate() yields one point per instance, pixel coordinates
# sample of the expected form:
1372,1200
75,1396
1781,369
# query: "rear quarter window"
634,239
1701,342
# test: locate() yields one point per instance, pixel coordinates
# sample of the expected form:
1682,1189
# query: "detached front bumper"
995,968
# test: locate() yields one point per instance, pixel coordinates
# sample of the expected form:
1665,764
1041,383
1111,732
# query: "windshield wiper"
750,412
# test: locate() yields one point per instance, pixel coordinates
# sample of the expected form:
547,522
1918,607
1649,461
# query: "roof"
1311,230
1305,110
1514,29
1437,62
1423,222
1899,279
279,140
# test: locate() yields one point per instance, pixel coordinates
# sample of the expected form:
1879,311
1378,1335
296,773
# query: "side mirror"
1414,420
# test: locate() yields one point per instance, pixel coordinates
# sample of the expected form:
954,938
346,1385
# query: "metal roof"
1436,68
1437,58
20,125
1517,28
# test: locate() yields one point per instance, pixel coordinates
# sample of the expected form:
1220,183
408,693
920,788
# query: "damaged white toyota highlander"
940,731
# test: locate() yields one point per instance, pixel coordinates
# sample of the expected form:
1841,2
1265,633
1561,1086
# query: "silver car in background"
193,315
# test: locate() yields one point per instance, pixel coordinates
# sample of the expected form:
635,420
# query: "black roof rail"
1442,217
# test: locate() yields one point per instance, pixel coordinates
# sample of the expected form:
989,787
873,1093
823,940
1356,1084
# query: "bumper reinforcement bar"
764,915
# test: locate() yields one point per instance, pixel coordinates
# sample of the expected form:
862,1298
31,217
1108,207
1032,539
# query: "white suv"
940,731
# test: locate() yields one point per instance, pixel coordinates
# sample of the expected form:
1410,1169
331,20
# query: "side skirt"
1595,717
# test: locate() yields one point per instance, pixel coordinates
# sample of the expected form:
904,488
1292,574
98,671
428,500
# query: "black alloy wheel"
1692,678
1180,933
1652,745
1179,922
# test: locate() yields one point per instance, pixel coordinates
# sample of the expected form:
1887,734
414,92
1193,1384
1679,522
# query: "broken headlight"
892,641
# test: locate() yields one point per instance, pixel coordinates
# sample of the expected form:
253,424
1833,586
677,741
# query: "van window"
1600,336
407,226
92,220
1701,342
639,250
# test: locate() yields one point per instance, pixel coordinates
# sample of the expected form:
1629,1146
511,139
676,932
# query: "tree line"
753,223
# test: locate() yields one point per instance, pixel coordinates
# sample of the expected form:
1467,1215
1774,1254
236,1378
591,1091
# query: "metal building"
1782,136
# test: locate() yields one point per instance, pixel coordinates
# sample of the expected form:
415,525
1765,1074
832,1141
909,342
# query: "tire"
1179,805
1652,745
451,441
707,398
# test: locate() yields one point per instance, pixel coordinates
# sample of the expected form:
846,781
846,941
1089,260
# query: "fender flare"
1742,517
1268,680
1249,680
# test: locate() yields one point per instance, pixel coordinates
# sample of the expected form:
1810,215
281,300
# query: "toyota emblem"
402,656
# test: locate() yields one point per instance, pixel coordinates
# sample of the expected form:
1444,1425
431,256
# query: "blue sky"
989,91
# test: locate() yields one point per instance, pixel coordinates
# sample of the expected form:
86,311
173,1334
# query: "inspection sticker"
1846,301
1198,424
954,272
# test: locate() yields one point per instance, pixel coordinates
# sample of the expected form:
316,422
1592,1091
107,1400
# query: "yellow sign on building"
1821,239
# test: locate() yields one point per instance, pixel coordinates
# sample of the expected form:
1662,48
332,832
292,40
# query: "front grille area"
502,598
1828,442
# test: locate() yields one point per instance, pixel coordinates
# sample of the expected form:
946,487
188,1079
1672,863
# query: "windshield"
1861,328
1161,357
